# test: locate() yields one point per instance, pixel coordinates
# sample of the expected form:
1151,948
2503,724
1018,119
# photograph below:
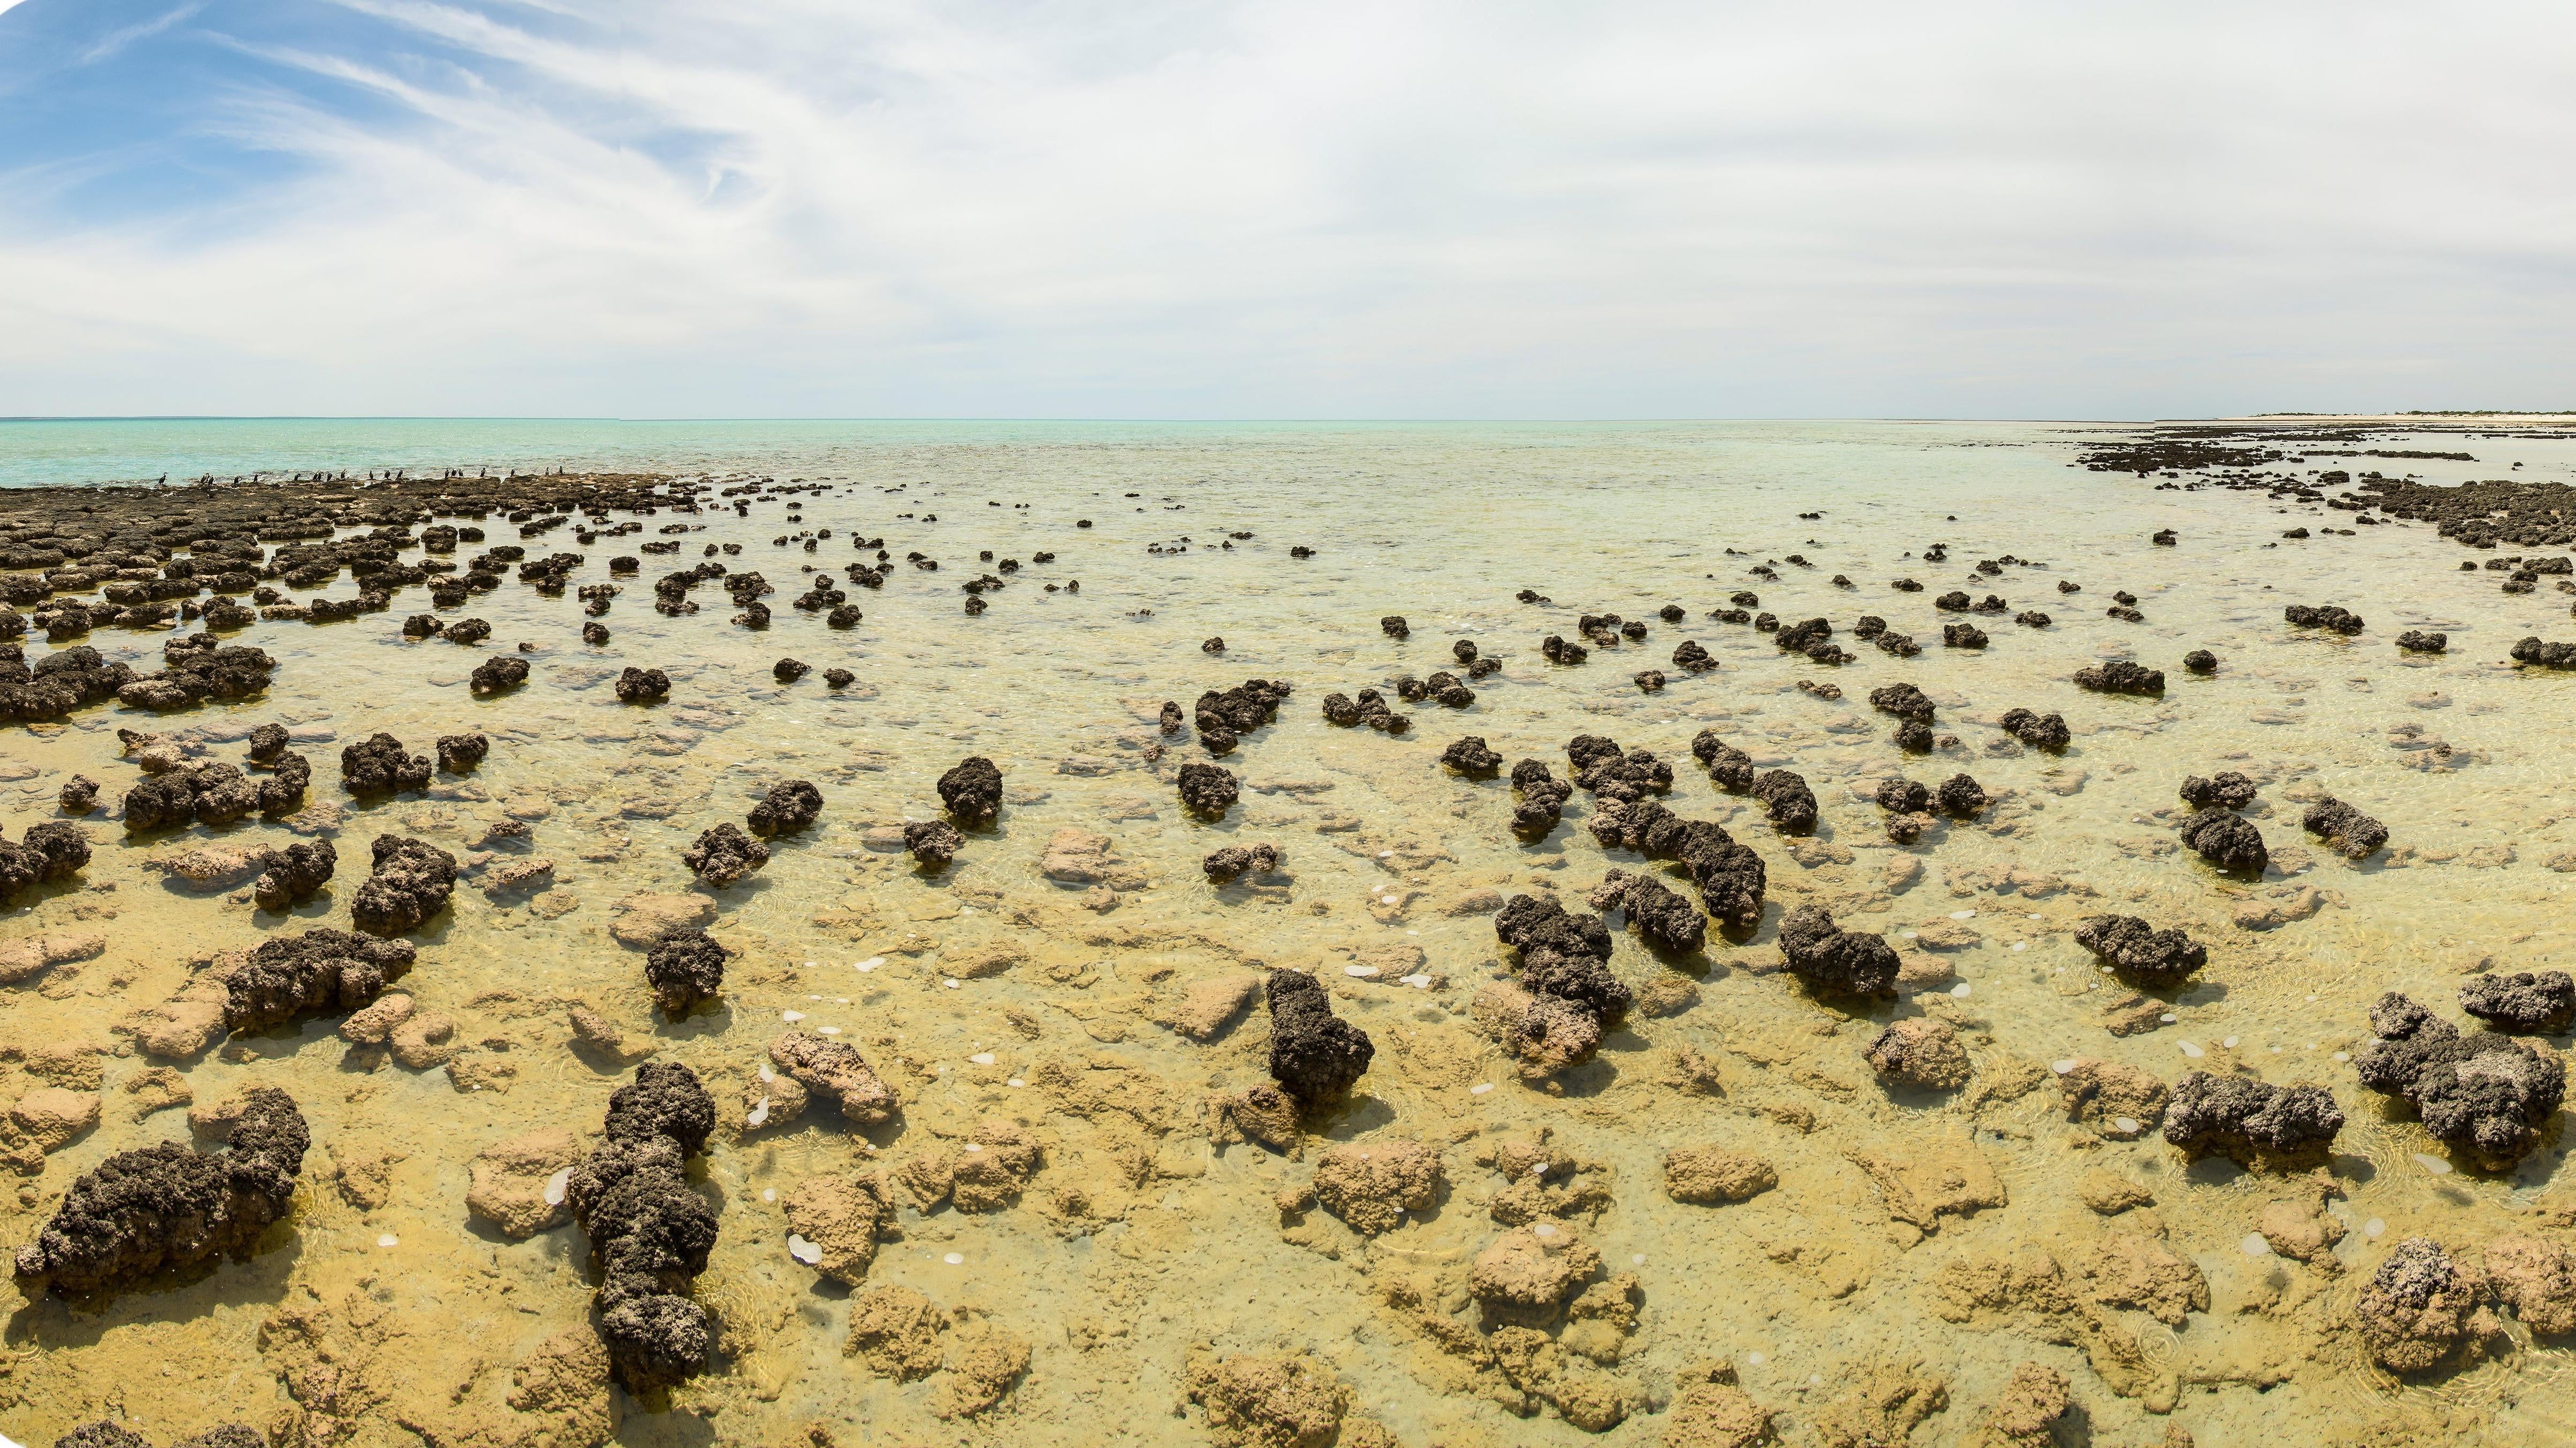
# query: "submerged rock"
458,753
2421,1310
1919,1052
836,1072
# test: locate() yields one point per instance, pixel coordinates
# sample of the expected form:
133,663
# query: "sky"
1142,209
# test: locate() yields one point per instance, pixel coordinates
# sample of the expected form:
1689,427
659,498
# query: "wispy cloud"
817,207
110,45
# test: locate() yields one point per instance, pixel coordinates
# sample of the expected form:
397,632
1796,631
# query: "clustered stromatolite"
2253,1122
649,1230
411,882
2484,1091
2138,951
50,853
167,1206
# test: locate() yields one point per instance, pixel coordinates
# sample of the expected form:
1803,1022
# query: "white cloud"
1341,209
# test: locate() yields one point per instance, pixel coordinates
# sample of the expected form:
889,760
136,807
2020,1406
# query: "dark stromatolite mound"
1834,960
165,1207
932,842
1902,796
1557,651
1224,865
1902,700
282,792
1729,766
1731,878
2039,731
2251,1122
1471,757
1223,717
2200,661
378,766
2139,951
2532,1003
1963,636
294,874
649,1232
2544,655
1315,1056
1664,918
1648,680
1615,775
291,976
1171,718
786,808
788,671
838,678
1208,790
1691,658
214,793
2229,790
79,795
642,686
2417,641
2226,839
48,854
2420,1310
196,669
1798,638
497,673
57,684
1961,796
684,967
1791,805
1542,799
972,791
2484,1091
1394,626
267,742
458,753
724,855
2329,617
410,883
2354,835
2120,676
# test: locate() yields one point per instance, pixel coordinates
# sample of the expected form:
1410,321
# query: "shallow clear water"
1139,1240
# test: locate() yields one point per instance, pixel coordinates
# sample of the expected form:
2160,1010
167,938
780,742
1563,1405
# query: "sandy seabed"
1727,1221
